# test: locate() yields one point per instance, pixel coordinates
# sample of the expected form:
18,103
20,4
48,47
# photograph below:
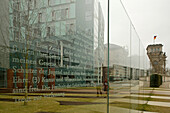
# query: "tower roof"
154,45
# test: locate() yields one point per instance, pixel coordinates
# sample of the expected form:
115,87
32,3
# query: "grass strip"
141,107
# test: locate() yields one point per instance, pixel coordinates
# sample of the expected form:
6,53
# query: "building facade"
117,55
120,72
4,42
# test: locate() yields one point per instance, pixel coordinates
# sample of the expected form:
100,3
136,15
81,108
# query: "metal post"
26,76
108,63
26,58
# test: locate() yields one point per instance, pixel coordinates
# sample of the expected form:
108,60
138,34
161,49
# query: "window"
35,3
48,31
155,62
16,34
16,6
88,15
88,1
15,20
88,31
117,72
24,18
30,4
57,30
70,28
48,2
58,14
40,17
63,27
52,32
37,32
53,15
65,13
52,2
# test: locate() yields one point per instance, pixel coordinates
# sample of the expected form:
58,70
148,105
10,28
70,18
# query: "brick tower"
157,58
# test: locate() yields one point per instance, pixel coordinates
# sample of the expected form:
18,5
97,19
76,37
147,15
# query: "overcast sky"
150,17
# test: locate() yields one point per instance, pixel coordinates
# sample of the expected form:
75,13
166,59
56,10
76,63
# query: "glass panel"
51,60
120,59
127,63
55,57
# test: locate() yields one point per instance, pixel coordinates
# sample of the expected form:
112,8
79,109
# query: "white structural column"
61,44
101,73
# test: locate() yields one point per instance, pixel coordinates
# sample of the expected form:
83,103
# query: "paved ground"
158,94
120,90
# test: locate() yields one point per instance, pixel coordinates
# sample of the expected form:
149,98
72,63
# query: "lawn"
48,104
